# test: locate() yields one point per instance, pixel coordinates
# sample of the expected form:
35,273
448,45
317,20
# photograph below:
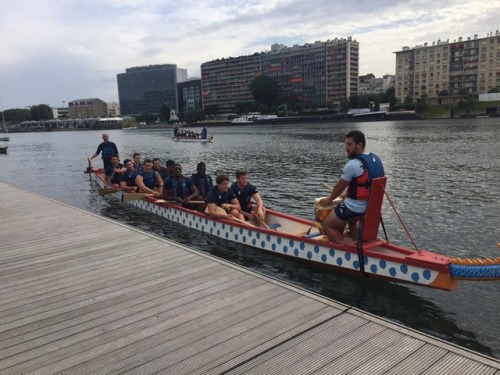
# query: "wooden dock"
83,294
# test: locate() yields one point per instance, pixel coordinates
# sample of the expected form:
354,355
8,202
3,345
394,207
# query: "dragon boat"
303,239
191,139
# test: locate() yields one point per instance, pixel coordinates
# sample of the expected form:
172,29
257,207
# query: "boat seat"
274,225
373,213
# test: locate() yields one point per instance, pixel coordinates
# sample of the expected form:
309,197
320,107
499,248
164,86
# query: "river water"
443,177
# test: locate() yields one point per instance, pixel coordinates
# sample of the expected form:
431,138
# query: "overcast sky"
58,51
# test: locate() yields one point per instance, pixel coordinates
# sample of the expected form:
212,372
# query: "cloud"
75,49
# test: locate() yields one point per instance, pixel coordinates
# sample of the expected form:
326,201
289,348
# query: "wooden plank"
81,294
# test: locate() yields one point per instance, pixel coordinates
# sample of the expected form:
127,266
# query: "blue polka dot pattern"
309,249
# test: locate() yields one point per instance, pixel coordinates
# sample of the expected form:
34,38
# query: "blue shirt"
215,196
244,196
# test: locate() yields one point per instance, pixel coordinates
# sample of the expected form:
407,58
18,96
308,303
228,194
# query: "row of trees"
35,113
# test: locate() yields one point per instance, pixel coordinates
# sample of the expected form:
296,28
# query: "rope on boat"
475,269
401,221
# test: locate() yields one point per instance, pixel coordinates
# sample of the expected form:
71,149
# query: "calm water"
444,178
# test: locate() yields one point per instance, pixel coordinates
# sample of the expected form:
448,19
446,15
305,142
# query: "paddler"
356,177
221,196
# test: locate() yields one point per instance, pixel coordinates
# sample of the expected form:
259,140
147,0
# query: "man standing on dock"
108,149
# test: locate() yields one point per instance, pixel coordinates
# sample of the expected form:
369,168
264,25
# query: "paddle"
134,196
253,215
107,191
220,210
324,184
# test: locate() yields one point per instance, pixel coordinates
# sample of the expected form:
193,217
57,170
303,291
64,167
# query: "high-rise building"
226,82
189,94
145,89
460,67
369,84
316,73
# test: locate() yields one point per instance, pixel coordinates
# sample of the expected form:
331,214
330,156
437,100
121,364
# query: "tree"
17,115
408,99
41,112
164,112
195,115
493,90
264,90
443,93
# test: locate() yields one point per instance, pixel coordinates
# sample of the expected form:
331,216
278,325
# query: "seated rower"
113,172
202,180
181,190
147,180
127,182
245,192
158,168
221,196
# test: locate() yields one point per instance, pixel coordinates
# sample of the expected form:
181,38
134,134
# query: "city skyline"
56,52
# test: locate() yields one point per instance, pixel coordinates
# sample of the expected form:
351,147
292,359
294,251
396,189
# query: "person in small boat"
137,162
204,133
158,168
222,196
148,180
127,183
108,149
356,175
113,174
180,189
202,180
245,192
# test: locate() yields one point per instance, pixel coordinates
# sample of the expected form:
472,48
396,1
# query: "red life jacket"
359,187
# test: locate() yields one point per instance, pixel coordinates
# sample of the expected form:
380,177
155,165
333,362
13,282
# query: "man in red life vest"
356,176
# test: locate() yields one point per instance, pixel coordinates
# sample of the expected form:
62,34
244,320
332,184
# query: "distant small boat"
5,138
191,139
242,120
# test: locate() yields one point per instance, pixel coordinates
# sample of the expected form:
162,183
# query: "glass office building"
146,89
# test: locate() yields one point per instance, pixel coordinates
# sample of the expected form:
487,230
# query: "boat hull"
195,140
381,259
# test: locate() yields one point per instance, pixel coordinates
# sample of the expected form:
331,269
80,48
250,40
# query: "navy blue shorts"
345,214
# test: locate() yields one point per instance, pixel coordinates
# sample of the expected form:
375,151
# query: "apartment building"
316,73
369,84
458,67
145,89
226,82
87,108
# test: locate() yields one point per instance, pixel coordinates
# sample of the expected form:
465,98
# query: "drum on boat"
321,212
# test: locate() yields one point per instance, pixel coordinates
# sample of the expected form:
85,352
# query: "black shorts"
345,214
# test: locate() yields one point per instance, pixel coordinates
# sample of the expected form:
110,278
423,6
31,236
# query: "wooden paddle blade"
260,221
134,196
107,191
325,185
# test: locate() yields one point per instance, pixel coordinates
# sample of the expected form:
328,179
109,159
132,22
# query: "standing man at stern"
108,149
356,176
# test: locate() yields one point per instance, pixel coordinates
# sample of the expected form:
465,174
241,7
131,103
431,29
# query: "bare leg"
333,226
353,228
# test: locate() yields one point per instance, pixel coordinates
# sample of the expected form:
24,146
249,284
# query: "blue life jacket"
184,187
149,179
359,187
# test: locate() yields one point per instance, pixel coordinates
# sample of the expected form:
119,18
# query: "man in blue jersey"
127,183
221,196
180,189
356,177
108,149
246,192
148,180
114,172
202,180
